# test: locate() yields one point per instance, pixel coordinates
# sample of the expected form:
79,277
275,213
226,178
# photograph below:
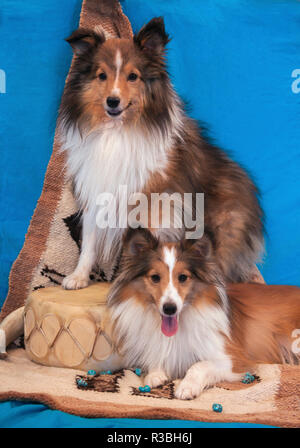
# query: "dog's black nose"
113,102
169,309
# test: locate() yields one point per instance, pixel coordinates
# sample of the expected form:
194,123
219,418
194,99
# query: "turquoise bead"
108,372
248,378
92,373
145,388
138,372
217,407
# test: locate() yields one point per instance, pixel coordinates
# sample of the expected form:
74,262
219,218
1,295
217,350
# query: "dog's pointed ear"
83,40
152,38
138,241
200,248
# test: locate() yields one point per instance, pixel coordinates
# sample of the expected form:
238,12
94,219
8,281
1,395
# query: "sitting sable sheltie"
121,123
173,318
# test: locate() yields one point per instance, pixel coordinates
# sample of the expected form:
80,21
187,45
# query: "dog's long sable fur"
149,144
171,317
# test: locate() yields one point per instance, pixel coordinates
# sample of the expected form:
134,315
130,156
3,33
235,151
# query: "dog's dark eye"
103,76
182,278
132,77
155,278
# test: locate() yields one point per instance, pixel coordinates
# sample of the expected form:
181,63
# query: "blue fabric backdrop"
232,61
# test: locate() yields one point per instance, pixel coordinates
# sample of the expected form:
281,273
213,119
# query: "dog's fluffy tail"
10,329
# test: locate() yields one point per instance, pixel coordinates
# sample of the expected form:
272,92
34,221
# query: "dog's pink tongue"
169,325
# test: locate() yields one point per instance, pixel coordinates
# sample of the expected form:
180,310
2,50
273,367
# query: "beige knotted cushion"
68,328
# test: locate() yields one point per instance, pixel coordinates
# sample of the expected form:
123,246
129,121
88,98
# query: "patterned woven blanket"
272,399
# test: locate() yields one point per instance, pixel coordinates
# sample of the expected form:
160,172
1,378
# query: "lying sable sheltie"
121,123
173,318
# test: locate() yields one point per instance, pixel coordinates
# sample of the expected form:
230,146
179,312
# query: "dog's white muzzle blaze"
171,302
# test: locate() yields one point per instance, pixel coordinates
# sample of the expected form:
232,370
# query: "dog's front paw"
188,390
75,281
156,378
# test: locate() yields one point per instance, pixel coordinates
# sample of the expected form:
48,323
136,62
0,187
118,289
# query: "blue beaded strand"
81,382
145,389
248,378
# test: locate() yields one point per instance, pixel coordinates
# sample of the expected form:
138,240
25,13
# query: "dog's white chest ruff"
104,160
199,338
107,159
